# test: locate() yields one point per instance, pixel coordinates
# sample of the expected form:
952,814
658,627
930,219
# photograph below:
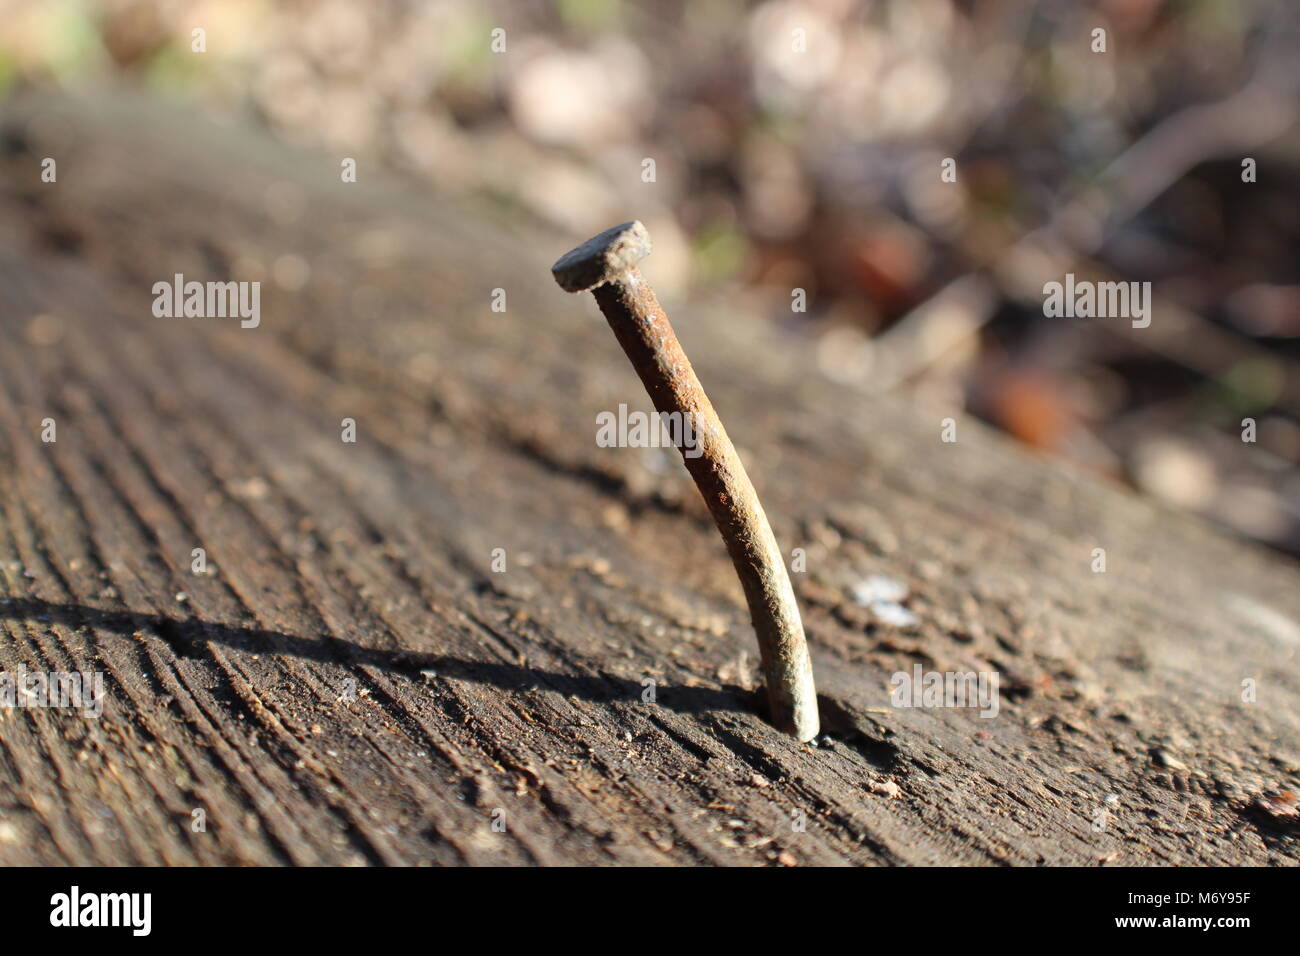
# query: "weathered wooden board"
367,566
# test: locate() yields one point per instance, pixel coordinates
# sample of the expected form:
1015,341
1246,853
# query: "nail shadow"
188,638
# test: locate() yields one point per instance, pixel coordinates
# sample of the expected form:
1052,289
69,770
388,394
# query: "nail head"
602,258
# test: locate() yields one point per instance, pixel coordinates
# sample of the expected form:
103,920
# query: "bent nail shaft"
647,337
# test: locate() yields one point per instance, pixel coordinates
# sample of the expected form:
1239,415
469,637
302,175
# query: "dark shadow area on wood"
188,638
1277,831
842,724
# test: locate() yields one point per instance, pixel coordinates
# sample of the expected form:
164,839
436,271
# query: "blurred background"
799,145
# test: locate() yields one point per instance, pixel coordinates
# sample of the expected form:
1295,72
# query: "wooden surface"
521,692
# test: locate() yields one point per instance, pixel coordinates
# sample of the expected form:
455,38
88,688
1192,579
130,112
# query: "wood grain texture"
521,692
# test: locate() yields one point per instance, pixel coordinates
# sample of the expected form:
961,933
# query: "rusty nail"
605,265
